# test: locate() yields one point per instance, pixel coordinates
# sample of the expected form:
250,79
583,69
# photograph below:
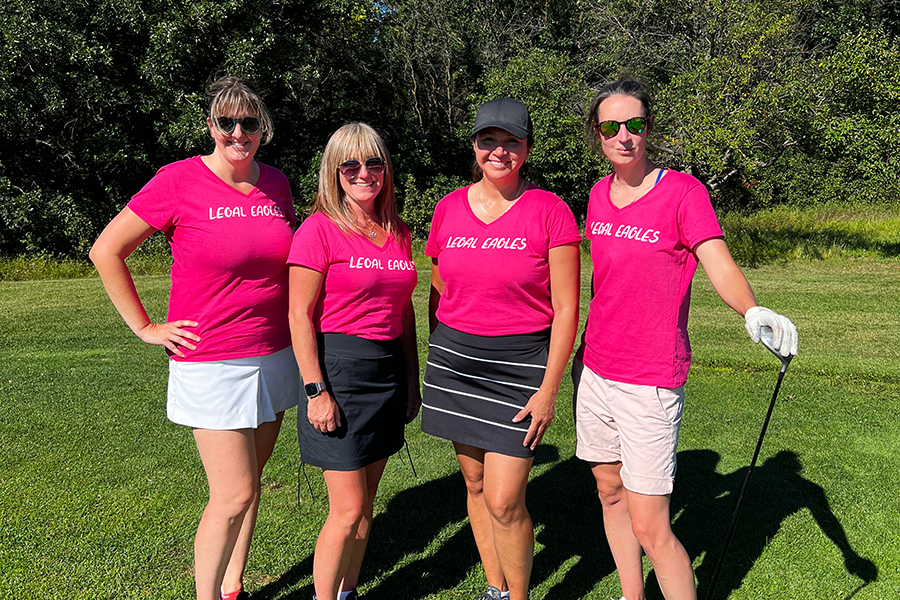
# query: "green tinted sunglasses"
634,125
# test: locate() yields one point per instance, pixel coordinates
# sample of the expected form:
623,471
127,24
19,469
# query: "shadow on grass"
429,520
706,500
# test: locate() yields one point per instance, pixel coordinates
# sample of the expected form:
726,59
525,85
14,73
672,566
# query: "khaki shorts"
636,425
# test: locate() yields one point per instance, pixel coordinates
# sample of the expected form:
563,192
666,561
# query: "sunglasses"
351,168
248,124
610,129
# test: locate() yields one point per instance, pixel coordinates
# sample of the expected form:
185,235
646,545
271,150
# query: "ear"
209,124
650,123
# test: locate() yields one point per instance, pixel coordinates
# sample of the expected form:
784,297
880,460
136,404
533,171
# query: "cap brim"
519,132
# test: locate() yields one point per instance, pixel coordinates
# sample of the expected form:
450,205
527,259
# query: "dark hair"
508,114
232,95
625,86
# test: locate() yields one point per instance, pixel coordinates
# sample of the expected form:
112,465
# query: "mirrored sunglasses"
248,124
634,125
351,168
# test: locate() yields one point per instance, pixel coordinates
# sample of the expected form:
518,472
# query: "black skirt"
475,385
367,379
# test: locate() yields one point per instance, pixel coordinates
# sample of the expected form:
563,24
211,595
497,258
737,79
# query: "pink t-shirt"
643,265
497,276
228,251
365,288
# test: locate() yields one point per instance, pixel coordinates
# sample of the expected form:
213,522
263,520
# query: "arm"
411,355
725,276
305,285
120,238
565,289
434,297
733,288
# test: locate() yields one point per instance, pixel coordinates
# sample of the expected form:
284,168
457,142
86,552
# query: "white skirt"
240,393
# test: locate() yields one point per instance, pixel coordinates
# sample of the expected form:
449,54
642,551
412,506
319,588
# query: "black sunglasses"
248,124
351,168
610,129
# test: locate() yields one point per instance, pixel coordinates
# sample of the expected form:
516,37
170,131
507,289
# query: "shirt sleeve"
561,225
157,201
433,246
310,247
697,221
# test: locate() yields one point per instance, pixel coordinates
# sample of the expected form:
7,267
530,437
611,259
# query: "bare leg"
373,477
265,437
651,522
505,478
623,544
471,464
347,501
229,459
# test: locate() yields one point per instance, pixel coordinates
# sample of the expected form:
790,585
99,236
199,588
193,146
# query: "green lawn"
100,495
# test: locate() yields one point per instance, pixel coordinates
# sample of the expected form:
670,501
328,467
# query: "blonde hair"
356,141
228,96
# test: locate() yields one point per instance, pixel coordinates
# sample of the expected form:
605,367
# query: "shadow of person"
412,521
704,503
566,510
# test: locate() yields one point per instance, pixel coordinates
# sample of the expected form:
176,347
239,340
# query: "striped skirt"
475,385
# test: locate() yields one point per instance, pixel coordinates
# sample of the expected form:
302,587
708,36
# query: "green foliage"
418,204
560,160
767,102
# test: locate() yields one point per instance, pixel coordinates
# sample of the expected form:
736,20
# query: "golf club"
766,339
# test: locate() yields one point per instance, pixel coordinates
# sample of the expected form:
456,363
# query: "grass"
100,495
773,236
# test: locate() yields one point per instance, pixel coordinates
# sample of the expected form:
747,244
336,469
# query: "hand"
323,413
171,335
784,333
542,408
414,401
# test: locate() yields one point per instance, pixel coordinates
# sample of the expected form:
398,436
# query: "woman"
229,222
648,228
503,313
354,335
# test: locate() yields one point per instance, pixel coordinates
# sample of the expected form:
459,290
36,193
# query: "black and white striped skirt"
475,385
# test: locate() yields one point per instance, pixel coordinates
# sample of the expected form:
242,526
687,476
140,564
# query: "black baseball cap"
506,113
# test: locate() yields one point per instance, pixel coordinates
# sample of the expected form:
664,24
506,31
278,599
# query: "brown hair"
229,95
625,86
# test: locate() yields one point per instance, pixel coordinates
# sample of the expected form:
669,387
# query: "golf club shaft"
740,501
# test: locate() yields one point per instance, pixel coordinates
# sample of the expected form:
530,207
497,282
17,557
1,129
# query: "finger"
185,323
521,414
538,436
174,349
185,343
187,334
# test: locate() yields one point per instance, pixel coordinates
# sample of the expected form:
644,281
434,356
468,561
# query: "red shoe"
236,595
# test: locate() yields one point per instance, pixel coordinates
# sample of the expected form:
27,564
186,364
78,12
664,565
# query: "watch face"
313,389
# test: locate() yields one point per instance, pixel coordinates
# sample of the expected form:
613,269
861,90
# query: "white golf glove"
784,333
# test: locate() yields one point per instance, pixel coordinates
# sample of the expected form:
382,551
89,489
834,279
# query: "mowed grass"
100,495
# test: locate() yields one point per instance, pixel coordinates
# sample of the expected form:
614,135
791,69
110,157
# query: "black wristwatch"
314,389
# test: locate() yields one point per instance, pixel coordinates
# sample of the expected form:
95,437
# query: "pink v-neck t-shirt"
365,288
228,252
643,262
497,275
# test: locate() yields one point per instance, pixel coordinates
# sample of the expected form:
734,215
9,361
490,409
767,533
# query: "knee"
474,484
611,493
651,535
506,509
347,515
235,502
